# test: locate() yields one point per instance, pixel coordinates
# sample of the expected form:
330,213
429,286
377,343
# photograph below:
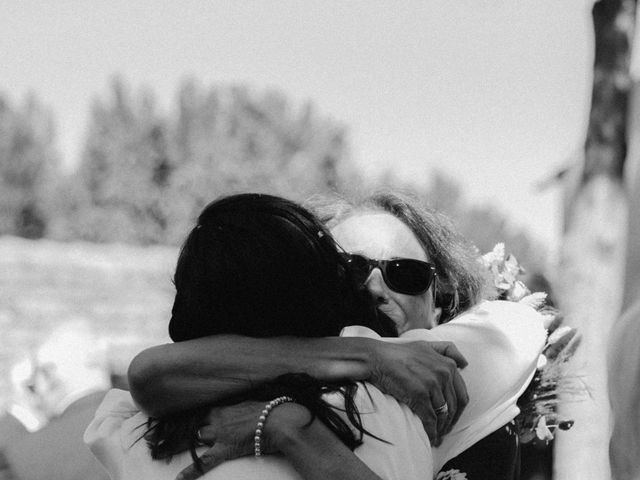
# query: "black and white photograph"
320,240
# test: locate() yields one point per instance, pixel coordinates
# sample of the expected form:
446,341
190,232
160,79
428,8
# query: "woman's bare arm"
172,377
179,376
311,448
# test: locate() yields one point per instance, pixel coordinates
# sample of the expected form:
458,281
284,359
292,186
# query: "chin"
401,326
386,319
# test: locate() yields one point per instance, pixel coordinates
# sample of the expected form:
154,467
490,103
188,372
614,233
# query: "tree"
632,183
28,166
485,225
145,176
124,171
623,359
592,255
231,139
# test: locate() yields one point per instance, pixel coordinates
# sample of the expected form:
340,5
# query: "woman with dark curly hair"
261,266
257,253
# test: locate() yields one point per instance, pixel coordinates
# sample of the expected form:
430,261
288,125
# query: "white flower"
518,292
505,272
499,279
547,318
542,431
558,341
542,362
535,300
511,268
495,256
559,334
452,475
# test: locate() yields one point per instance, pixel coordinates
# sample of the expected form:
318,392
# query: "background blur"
120,120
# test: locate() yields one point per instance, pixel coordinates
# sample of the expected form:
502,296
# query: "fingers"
425,376
441,411
206,435
446,415
429,420
448,399
448,349
425,408
435,418
210,459
461,396
453,387
456,397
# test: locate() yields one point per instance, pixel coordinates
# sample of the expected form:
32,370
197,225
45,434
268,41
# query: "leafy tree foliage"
28,167
145,176
122,176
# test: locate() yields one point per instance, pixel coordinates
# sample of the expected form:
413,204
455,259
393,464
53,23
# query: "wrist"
345,359
286,426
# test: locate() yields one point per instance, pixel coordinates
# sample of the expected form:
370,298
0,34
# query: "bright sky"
493,92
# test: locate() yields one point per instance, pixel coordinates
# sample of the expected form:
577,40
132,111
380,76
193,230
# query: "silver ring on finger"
443,410
199,439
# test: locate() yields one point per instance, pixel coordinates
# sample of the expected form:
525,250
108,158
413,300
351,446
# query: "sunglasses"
402,275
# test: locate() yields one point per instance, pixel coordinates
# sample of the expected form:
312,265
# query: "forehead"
378,235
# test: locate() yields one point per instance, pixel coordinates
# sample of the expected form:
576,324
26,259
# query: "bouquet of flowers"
538,418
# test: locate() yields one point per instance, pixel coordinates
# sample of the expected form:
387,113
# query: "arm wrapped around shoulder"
502,342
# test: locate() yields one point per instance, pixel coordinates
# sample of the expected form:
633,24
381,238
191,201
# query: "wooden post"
624,357
593,255
632,180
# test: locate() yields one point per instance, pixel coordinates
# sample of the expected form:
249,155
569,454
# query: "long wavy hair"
262,266
462,283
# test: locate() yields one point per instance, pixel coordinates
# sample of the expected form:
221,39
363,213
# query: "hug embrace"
358,342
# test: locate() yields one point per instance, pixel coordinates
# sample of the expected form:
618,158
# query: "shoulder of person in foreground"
502,342
498,333
498,323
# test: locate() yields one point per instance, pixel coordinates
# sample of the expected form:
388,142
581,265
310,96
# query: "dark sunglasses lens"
359,266
408,276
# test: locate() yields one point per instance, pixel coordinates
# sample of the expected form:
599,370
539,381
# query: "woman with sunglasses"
420,375
415,294
253,253
402,293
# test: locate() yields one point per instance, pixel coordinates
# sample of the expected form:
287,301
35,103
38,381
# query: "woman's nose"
376,286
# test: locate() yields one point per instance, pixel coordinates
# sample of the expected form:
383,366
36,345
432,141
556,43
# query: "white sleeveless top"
501,341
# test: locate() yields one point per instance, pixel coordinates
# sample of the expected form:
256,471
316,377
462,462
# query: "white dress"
501,341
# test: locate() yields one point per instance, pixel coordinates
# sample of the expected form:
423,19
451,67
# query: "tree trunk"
590,292
592,256
632,182
624,362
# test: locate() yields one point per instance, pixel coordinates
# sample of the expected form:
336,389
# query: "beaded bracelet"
262,420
